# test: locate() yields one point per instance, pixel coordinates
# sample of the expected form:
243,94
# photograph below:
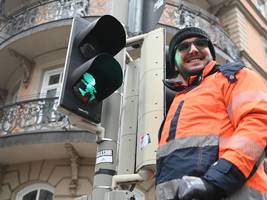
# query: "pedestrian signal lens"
85,88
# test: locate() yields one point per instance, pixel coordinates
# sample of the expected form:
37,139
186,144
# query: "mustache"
192,57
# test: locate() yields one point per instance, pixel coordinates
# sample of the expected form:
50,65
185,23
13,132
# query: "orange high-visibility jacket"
217,130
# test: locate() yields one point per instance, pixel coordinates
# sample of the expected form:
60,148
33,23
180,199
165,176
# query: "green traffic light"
89,83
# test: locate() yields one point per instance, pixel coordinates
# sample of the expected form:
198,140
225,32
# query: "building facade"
43,155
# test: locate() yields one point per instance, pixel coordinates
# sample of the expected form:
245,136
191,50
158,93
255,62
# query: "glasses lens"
185,46
201,43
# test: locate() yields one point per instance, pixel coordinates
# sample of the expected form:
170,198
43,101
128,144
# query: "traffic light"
91,73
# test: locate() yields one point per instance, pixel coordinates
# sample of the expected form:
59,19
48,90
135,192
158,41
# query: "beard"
186,73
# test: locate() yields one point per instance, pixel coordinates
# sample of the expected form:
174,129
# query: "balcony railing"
43,12
32,115
181,15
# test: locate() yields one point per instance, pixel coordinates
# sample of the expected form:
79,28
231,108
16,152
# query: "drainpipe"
135,16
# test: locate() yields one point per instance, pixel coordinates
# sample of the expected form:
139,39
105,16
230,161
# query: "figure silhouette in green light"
89,82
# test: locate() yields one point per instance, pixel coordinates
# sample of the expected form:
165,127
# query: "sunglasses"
200,43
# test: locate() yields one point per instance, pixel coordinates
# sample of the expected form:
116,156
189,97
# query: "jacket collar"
208,68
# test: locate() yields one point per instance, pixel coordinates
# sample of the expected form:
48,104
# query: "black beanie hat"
187,33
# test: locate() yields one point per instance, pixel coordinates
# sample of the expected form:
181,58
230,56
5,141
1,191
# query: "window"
52,83
50,88
36,192
261,6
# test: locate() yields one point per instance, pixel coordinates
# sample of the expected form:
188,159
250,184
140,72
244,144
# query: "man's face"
192,56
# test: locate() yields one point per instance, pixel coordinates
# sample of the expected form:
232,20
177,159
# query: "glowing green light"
89,83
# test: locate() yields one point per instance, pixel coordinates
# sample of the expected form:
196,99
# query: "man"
211,144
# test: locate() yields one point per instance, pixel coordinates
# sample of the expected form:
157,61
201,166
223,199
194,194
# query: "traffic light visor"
104,35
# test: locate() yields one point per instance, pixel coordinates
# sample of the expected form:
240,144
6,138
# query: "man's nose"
193,48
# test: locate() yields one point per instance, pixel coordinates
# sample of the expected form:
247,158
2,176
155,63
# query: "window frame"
30,188
45,83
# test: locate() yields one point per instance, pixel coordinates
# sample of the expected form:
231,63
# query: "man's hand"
194,188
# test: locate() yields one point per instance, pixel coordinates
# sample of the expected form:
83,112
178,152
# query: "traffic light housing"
91,74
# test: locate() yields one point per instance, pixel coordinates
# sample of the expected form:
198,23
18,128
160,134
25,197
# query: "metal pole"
106,161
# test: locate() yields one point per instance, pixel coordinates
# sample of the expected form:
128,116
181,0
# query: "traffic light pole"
104,171
105,167
106,179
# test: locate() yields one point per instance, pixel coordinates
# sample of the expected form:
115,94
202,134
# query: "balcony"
32,115
183,14
41,132
41,13
45,11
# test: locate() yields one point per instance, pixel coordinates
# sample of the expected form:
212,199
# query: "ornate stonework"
26,64
74,164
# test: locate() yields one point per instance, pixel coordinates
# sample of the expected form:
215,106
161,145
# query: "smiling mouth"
194,60
191,60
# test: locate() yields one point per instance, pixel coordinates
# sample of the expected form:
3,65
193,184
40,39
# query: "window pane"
45,195
30,196
54,79
51,93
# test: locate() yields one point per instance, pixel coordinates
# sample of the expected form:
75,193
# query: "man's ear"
170,71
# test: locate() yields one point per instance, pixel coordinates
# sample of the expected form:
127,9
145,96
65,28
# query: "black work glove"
195,188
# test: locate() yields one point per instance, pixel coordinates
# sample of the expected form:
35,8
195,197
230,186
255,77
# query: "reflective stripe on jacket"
221,120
